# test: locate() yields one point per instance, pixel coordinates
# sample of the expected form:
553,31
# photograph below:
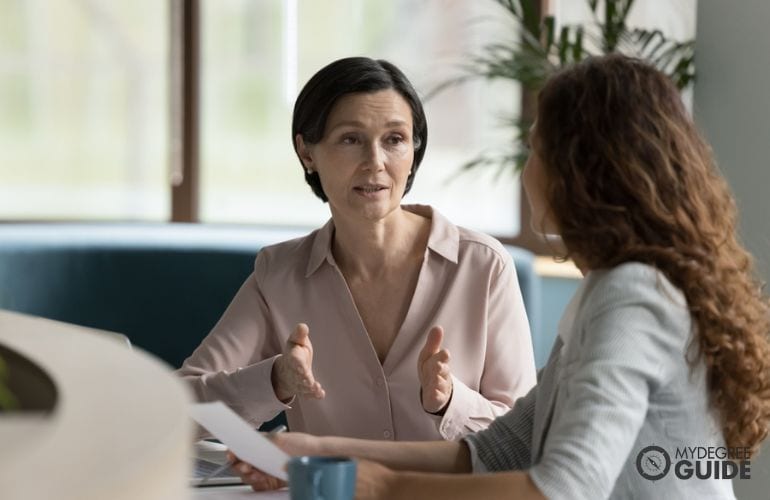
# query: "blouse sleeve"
509,367
234,362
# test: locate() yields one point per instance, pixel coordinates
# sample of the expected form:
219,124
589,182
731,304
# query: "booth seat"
162,285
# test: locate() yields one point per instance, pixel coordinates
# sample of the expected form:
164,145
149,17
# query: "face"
366,154
533,177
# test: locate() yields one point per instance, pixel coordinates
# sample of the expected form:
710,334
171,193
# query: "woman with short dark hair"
384,290
348,76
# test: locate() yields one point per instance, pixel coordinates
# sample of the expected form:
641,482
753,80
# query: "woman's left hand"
373,481
433,371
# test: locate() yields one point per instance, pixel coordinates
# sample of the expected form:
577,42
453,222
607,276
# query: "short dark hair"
347,76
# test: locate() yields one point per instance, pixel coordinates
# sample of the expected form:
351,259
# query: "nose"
375,157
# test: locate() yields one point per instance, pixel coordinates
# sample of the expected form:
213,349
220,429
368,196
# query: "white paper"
246,443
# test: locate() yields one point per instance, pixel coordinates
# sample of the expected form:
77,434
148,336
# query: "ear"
305,153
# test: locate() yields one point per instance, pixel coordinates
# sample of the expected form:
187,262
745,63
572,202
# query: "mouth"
369,189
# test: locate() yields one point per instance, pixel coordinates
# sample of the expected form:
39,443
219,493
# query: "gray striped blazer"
616,383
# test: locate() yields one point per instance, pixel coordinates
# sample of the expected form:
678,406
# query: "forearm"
501,485
227,386
424,456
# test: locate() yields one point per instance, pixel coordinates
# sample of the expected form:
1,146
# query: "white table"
236,492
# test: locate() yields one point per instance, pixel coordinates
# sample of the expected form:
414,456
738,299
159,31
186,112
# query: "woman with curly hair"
663,347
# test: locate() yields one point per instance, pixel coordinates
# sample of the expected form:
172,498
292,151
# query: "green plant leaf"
7,400
541,48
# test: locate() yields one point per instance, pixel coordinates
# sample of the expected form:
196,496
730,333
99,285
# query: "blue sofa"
162,285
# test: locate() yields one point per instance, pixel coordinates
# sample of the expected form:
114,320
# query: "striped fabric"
617,383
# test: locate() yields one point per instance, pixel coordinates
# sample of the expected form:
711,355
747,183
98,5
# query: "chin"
377,211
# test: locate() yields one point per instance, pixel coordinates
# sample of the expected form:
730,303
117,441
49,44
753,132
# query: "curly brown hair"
629,178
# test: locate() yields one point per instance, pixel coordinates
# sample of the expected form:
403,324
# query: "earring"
309,171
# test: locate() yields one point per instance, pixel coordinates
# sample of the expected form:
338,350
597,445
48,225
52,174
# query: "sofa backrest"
164,285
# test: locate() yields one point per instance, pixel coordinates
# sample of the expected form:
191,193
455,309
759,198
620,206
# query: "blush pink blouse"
467,285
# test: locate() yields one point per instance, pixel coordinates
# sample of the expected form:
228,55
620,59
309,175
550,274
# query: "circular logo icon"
653,463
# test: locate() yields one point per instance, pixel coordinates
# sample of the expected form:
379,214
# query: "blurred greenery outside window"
83,110
84,101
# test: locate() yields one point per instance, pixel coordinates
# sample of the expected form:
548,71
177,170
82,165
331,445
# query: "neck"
368,249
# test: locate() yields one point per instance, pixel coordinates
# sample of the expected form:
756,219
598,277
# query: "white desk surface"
236,492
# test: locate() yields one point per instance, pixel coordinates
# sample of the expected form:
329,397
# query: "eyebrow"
356,123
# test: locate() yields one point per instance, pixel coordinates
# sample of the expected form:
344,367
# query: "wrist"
323,446
441,411
275,379
390,481
392,485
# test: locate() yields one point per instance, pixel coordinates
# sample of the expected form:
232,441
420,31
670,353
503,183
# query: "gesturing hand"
433,370
293,370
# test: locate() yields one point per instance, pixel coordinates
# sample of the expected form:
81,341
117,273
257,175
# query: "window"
83,94
256,55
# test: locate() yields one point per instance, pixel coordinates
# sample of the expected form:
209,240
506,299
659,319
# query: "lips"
370,188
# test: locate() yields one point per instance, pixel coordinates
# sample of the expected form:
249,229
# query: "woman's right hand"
251,476
293,443
293,370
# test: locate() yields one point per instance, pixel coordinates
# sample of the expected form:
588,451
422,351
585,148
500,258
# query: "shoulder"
464,246
631,282
637,299
481,248
289,254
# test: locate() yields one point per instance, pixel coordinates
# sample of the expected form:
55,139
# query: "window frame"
185,105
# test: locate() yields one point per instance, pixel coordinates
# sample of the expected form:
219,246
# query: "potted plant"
24,385
7,399
542,47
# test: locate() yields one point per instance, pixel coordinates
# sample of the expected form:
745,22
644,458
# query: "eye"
349,139
395,139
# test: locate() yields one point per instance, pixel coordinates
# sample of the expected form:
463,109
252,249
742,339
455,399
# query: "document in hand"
246,443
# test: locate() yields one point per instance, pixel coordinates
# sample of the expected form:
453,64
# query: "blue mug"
322,478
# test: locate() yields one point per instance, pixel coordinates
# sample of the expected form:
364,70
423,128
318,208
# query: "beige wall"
732,106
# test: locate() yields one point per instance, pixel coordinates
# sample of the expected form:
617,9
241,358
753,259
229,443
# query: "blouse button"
387,434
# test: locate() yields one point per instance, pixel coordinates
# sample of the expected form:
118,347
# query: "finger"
305,376
433,368
439,397
443,371
313,391
259,481
299,366
440,384
441,356
444,387
300,335
432,344
243,469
